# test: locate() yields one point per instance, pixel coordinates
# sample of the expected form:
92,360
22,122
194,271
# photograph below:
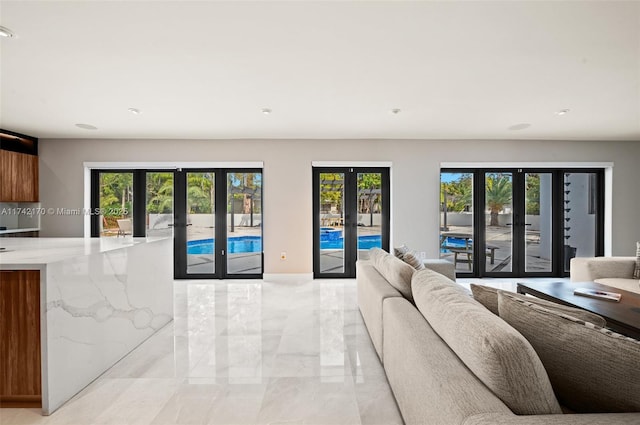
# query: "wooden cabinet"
20,349
19,179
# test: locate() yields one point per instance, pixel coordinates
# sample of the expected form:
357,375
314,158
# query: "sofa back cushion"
607,267
488,297
495,352
375,254
444,267
591,368
396,272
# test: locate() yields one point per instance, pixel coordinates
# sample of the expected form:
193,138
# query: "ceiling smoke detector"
266,111
134,111
396,111
563,111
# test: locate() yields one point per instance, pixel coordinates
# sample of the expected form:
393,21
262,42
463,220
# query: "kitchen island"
96,300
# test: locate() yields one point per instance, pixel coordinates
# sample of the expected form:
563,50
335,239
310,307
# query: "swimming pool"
242,244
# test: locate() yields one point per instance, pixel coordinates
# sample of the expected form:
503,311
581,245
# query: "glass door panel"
332,251
244,223
159,200
369,217
498,232
350,216
456,220
538,230
116,203
200,223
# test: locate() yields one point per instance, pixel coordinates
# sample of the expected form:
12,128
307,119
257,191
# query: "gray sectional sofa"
449,360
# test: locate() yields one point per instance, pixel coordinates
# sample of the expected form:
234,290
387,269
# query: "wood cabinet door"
5,175
19,177
26,187
20,350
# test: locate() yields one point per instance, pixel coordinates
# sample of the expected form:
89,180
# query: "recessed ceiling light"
87,126
6,32
266,111
520,126
563,111
395,111
134,111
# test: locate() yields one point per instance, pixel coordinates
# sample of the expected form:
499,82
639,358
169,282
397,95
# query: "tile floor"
243,352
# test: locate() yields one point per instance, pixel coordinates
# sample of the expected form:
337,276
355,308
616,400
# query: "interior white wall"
287,181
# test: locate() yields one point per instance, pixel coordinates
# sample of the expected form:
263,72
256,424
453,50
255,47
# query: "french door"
218,223
350,216
520,222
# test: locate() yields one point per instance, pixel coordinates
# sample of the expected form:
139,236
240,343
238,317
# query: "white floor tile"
242,352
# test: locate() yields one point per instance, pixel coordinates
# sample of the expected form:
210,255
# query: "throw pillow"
411,259
494,351
636,272
488,297
591,368
400,251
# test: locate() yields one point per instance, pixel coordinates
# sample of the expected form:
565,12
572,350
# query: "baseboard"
287,277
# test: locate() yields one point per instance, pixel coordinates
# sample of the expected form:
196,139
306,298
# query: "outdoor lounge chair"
125,227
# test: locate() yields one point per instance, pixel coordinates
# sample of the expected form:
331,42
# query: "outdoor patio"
499,239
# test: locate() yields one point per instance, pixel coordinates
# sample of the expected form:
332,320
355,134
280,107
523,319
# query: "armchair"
611,271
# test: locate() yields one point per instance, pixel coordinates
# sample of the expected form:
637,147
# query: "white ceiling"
205,69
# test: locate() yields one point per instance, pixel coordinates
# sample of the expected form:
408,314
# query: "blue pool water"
364,242
454,243
235,245
241,244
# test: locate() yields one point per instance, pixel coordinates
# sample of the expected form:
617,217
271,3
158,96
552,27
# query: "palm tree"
498,194
159,193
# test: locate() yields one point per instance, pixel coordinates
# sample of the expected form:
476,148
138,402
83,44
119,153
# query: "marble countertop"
32,229
41,251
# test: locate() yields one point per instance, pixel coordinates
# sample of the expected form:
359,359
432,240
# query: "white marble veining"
99,299
243,352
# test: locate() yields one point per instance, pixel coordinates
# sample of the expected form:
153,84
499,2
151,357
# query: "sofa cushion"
607,267
495,352
411,259
397,272
591,368
375,253
636,271
488,297
443,267
631,285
